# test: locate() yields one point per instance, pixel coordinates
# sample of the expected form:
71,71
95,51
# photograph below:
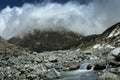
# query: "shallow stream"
82,73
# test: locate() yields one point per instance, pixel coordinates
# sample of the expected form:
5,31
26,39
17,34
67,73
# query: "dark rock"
23,71
112,63
89,67
118,58
100,67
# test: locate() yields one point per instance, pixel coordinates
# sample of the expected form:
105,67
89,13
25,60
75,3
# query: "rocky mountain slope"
109,39
47,40
61,40
7,48
112,35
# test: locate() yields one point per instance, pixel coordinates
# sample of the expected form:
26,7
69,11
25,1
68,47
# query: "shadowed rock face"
47,40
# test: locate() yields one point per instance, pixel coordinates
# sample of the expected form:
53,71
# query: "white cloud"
84,19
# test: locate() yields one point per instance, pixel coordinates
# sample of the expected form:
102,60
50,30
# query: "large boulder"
116,53
71,66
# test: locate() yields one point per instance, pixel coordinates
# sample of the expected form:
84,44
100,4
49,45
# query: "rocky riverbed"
58,65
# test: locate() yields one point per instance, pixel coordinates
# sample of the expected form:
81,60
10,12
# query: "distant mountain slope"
60,40
110,38
6,47
47,40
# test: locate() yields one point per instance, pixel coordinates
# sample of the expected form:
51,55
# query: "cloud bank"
92,18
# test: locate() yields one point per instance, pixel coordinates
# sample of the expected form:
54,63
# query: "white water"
82,73
79,75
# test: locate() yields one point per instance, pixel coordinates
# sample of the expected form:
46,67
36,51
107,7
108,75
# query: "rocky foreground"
95,57
50,65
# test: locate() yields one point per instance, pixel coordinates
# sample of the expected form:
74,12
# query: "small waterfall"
84,64
107,66
82,73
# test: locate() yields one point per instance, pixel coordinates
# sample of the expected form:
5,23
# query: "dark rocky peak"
47,40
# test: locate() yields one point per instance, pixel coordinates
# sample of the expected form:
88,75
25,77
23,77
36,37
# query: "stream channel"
82,73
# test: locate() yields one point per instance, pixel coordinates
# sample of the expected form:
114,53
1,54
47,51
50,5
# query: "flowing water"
80,74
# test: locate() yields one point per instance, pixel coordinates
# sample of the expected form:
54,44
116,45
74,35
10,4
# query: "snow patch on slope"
115,32
100,46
